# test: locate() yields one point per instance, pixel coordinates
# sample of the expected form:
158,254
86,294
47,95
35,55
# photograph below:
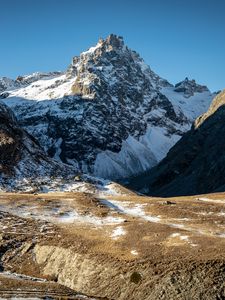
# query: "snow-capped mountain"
7,84
190,87
109,114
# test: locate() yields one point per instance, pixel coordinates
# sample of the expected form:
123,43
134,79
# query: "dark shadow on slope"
22,161
49,118
195,165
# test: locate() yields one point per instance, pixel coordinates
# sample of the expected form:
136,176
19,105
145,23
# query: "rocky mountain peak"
111,67
109,114
115,41
111,43
189,87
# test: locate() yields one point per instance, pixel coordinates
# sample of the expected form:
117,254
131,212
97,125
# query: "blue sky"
177,38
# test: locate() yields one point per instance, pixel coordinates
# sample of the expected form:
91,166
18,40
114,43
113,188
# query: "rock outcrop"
190,87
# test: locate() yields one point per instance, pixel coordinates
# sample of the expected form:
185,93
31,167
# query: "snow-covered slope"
23,163
7,84
109,114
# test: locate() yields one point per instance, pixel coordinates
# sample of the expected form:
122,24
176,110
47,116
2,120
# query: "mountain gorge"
108,114
195,165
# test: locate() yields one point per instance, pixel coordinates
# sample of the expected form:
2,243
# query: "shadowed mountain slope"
196,164
22,160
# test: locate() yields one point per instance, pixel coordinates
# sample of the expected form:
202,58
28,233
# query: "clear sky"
177,38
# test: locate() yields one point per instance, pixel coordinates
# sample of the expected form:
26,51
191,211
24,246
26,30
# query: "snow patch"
17,276
136,210
158,140
117,232
91,50
134,252
192,107
133,158
63,214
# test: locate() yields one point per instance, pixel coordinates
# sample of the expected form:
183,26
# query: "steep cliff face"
196,164
109,114
23,163
10,139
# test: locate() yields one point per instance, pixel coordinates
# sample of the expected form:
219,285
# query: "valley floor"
124,246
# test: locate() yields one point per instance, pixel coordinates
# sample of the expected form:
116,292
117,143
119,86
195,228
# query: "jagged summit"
109,114
113,40
111,62
189,87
